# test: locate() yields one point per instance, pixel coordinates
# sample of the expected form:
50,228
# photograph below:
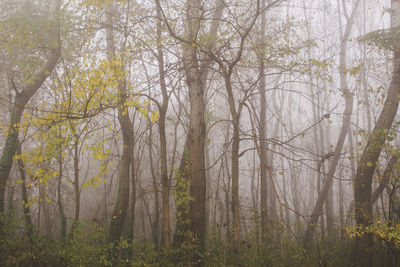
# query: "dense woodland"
199,133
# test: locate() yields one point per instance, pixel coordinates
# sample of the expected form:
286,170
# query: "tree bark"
263,136
165,191
122,198
63,218
370,155
26,209
197,130
385,179
155,226
131,226
76,182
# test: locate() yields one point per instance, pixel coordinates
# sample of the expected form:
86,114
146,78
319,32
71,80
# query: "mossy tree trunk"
20,101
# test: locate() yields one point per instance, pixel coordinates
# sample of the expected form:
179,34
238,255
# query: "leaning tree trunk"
387,175
122,198
348,97
18,106
370,155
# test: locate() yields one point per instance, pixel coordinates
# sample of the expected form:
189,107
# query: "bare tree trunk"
155,226
341,208
131,225
76,182
63,218
294,176
330,224
235,183
43,199
385,178
196,79
122,198
348,96
263,136
165,229
197,130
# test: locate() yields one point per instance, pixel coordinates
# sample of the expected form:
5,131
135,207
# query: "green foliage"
387,39
85,249
383,231
25,29
89,247
185,250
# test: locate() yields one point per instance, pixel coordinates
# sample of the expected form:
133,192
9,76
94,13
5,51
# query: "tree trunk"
387,174
76,183
63,218
155,226
197,130
25,204
165,192
182,216
263,136
122,197
348,96
18,106
235,184
370,155
131,226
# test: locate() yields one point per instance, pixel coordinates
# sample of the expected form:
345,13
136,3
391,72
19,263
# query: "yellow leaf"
154,117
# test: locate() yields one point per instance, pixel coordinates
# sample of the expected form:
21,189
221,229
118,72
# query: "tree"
197,130
165,229
122,198
375,143
348,96
25,89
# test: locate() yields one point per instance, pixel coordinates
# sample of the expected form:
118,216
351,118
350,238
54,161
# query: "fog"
199,133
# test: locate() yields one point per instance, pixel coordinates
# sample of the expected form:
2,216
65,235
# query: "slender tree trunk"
76,184
25,202
122,198
235,184
131,225
348,96
330,223
387,174
43,199
263,136
155,226
165,229
63,218
294,176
